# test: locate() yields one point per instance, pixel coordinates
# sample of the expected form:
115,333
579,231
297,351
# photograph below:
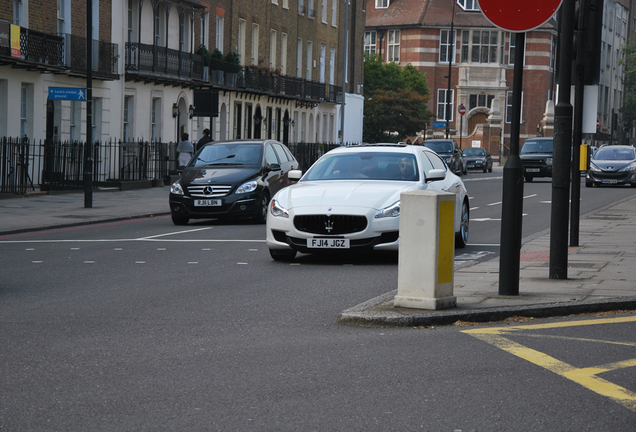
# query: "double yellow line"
587,377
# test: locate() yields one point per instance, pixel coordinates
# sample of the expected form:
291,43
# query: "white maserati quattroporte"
350,200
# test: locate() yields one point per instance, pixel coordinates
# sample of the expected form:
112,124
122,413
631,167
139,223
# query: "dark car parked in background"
448,150
536,157
231,179
478,159
613,165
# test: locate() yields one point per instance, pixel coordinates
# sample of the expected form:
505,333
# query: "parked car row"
348,200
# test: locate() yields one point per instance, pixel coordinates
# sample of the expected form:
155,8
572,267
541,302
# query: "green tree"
395,101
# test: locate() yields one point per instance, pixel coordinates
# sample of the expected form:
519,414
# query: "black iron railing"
53,165
105,55
144,58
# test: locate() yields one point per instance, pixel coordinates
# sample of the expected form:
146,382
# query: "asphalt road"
141,325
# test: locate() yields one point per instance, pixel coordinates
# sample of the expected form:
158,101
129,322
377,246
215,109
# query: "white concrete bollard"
427,250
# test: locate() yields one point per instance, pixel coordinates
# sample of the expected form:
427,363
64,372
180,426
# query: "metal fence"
59,165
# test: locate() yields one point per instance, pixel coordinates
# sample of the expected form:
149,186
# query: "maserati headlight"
391,211
277,210
629,168
548,161
176,188
247,187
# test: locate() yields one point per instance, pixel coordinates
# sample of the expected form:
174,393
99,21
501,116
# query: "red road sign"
598,123
461,109
518,15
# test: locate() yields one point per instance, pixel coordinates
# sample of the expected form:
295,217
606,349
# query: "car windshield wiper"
223,163
215,160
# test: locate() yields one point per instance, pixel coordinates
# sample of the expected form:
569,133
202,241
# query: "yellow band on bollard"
445,242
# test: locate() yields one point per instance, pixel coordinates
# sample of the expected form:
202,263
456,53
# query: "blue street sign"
67,93
439,124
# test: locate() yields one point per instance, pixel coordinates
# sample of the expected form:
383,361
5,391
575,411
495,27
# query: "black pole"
451,54
562,149
512,199
461,126
88,146
579,92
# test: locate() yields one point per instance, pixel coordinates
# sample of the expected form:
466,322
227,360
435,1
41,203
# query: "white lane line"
206,249
473,208
30,249
242,263
253,250
162,249
174,233
494,204
89,262
75,248
529,196
118,249
128,240
36,262
140,262
193,262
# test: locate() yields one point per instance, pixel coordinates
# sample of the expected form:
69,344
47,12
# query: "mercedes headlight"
176,188
391,211
277,210
247,187
548,161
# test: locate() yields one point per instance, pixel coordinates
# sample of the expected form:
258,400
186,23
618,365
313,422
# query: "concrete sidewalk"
601,274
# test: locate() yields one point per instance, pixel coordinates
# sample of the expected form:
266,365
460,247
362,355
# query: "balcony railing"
41,50
162,62
105,56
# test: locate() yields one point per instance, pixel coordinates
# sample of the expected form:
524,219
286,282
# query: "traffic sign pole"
461,110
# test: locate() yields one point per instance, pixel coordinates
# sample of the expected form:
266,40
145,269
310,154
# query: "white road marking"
161,248
473,208
173,233
36,262
494,204
118,249
193,262
30,249
89,262
242,263
75,248
529,196
140,262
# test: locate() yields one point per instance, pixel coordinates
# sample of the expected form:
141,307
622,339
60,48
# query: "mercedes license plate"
327,243
207,203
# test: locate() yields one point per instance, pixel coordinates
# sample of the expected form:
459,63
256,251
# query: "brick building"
481,60
290,83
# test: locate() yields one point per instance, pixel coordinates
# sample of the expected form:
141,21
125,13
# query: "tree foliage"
395,101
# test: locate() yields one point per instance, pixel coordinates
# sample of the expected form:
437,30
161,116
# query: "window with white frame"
509,108
332,66
381,4
203,37
74,120
445,104
323,11
309,60
301,7
311,12
480,100
272,49
483,46
182,33
220,23
155,115
24,110
18,12
127,118
285,4
334,13
299,58
468,5
446,46
283,53
511,49
393,46
61,7
131,21
275,2
370,39
323,58
255,44
159,26
241,41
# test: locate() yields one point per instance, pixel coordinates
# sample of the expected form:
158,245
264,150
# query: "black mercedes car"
231,179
